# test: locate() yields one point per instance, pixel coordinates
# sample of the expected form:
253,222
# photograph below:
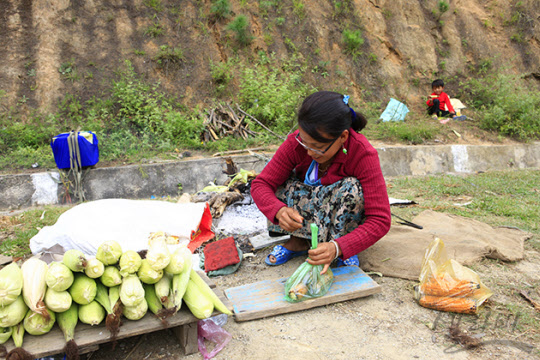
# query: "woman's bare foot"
293,244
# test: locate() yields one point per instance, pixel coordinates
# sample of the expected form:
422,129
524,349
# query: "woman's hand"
324,254
289,219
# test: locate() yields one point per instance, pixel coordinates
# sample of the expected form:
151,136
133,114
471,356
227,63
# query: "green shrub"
272,96
505,104
240,27
352,40
221,9
443,6
221,73
168,56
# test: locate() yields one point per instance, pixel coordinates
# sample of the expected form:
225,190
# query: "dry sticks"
223,121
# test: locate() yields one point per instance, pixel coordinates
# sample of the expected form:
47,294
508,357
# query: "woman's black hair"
325,111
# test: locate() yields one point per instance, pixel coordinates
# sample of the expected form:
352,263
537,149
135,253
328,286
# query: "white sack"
129,222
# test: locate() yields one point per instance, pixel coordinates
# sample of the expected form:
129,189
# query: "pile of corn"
35,296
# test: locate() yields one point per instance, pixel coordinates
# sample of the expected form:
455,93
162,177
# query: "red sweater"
361,161
443,100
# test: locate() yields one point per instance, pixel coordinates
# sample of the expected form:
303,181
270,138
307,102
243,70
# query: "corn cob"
452,304
18,334
154,305
180,281
446,286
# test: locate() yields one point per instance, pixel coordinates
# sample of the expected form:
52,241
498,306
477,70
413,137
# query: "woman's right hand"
289,219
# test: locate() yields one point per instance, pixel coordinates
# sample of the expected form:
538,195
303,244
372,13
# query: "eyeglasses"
320,152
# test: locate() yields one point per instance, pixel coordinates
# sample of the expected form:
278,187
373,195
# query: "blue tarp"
395,111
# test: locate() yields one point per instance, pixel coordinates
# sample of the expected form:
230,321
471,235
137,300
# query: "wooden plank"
267,298
264,240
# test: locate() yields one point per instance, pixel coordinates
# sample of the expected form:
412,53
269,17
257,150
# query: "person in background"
328,174
439,101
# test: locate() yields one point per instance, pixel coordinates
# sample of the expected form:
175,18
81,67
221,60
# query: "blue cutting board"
267,298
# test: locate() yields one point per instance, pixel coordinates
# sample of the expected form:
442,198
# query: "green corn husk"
5,334
180,282
75,260
67,321
94,268
111,276
109,252
11,284
92,313
83,291
13,313
37,324
176,265
113,319
199,305
130,262
57,301
147,274
114,295
154,305
163,288
158,254
136,312
131,291
209,293
18,334
59,277
102,297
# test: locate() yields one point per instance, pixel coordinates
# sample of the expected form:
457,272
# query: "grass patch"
21,228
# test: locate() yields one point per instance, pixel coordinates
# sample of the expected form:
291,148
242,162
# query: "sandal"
352,261
282,255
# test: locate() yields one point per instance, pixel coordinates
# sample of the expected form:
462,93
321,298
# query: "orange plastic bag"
447,285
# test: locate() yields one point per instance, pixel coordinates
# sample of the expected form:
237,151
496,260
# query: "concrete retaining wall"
170,179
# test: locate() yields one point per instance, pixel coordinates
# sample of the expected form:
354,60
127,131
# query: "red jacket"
361,161
444,100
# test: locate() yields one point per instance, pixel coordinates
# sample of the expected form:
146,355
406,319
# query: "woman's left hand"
324,254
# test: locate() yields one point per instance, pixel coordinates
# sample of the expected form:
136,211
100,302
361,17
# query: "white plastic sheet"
129,222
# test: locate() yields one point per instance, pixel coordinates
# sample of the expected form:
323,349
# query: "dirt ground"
389,325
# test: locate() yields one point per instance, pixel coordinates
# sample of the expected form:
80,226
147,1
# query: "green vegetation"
443,6
221,9
240,27
352,40
168,56
505,104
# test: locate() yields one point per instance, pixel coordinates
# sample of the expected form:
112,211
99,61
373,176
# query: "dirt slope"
57,47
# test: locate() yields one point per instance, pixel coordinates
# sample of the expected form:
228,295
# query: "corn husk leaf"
199,305
109,252
57,301
111,276
59,277
158,254
5,334
130,262
75,260
94,268
11,284
147,274
136,312
92,313
176,265
13,313
131,291
34,271
37,324
18,335
84,289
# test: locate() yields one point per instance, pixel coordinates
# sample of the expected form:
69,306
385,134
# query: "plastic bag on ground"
308,283
446,285
207,329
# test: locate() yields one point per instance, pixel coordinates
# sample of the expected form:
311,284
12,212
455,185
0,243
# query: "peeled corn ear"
34,285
